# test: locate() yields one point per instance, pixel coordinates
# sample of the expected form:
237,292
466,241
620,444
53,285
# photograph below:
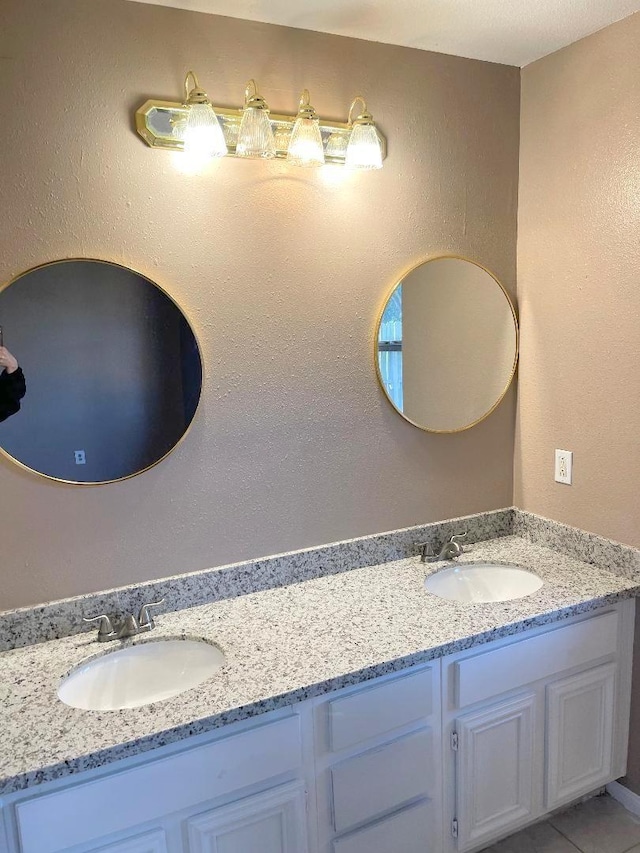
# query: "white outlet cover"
564,466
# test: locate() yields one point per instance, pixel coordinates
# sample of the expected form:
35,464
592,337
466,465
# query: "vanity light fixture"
255,137
364,150
200,129
254,131
305,145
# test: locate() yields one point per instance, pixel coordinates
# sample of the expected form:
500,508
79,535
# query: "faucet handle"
105,628
424,549
144,617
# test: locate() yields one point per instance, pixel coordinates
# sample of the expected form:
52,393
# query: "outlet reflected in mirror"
112,368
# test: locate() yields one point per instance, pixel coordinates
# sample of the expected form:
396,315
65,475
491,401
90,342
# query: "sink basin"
481,582
138,675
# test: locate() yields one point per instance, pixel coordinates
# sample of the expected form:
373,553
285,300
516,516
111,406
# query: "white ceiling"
512,32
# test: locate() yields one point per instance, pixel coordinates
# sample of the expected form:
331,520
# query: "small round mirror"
446,344
111,367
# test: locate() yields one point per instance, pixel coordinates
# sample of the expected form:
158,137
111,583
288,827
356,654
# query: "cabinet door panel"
273,822
410,831
494,768
580,721
149,842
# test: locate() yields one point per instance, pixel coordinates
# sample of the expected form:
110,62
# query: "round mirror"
446,344
110,365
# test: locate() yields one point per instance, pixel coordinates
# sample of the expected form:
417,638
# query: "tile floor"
599,825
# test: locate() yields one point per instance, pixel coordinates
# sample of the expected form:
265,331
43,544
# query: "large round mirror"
110,365
446,344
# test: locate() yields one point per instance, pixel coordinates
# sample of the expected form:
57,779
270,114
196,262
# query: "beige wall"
282,273
578,283
579,292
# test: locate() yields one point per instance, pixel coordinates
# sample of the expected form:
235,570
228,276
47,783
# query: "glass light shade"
336,145
255,137
363,150
202,134
305,147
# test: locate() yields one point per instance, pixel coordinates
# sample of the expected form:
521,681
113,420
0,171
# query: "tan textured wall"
578,283
281,271
579,293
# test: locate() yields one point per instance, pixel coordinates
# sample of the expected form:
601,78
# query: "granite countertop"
282,645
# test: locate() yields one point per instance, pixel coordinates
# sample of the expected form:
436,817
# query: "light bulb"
336,145
364,150
255,137
202,134
305,147
200,130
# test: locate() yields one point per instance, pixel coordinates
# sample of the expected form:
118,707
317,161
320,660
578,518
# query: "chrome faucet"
449,551
111,628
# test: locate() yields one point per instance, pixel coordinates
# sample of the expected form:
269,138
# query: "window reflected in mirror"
446,344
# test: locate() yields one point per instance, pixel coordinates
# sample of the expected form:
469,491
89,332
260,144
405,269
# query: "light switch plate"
564,466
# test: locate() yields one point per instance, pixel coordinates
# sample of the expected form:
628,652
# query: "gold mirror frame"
377,333
166,293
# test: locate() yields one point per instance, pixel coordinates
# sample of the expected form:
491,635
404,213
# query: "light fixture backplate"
156,122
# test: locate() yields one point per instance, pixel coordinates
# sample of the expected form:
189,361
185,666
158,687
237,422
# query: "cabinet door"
580,722
494,770
147,842
272,822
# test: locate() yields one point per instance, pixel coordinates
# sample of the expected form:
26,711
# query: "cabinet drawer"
382,779
94,810
408,831
375,711
148,842
521,663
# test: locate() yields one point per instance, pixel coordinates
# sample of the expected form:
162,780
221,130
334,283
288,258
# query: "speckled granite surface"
282,645
620,559
63,618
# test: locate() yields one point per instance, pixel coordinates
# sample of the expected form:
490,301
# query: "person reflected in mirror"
12,384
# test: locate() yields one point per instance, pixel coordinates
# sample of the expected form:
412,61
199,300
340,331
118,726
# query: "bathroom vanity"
355,713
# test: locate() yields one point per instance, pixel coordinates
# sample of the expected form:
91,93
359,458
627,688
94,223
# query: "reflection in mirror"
112,367
446,345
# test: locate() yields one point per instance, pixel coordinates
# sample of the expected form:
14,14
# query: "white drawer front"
521,663
148,842
375,711
408,831
382,779
94,810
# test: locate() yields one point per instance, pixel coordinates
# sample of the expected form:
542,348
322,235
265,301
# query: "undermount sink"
482,582
140,674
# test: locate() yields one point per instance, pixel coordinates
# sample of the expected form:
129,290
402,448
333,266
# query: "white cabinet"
378,766
494,770
478,744
272,822
148,842
536,721
141,809
580,730
411,830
